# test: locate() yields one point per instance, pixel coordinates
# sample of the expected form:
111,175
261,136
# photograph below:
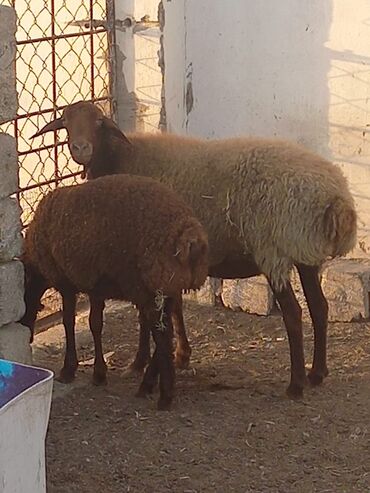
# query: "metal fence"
64,54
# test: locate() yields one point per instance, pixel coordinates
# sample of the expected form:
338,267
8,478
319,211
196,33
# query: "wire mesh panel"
63,56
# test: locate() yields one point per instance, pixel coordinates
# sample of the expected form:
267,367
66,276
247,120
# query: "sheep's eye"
99,122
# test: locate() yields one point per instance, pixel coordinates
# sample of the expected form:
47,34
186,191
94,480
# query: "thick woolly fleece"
272,199
127,236
269,200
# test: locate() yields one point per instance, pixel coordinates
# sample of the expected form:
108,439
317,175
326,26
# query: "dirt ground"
231,428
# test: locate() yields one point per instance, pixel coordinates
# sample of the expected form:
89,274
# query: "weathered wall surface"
138,78
297,69
294,69
14,338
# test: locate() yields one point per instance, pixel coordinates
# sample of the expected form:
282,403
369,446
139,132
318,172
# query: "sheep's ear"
56,124
111,126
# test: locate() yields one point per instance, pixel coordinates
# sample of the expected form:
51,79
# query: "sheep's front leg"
68,372
318,307
34,288
183,349
163,337
162,361
142,357
292,315
96,327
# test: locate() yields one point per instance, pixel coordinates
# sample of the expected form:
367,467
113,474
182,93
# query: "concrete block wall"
345,282
14,338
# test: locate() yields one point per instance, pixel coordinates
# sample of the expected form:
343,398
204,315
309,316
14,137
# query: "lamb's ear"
56,124
113,128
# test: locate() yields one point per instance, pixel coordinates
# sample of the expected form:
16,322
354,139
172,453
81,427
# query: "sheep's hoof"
182,361
316,378
164,403
144,391
295,391
139,364
134,368
66,375
99,379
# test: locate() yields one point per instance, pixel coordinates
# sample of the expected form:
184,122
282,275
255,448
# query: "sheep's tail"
192,253
340,226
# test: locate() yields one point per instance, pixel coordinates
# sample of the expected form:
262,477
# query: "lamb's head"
87,129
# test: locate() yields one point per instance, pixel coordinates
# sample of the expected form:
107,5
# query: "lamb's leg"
142,357
183,349
150,378
292,315
163,337
318,307
148,318
96,327
67,373
162,360
33,304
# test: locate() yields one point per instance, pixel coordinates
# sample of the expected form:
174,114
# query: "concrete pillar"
138,78
14,338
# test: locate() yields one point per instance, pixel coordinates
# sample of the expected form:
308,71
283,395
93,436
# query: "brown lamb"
118,237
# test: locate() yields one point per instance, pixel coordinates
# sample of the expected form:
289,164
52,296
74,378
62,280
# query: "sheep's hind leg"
183,349
68,372
96,327
162,360
142,357
292,315
318,307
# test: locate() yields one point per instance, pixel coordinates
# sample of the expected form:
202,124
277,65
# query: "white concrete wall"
139,78
296,69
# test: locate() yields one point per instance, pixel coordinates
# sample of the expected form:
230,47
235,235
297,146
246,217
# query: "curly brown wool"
120,237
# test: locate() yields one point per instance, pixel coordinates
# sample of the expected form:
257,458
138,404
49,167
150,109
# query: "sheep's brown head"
85,124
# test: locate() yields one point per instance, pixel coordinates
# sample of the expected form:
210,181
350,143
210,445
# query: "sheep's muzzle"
81,151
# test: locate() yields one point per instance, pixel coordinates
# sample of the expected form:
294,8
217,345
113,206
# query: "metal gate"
64,54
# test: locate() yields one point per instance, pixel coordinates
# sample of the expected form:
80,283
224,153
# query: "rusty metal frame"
112,62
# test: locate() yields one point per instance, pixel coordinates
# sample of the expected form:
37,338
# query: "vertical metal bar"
92,68
111,58
54,89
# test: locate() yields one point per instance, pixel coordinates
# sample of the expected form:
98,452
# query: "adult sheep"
121,237
267,205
